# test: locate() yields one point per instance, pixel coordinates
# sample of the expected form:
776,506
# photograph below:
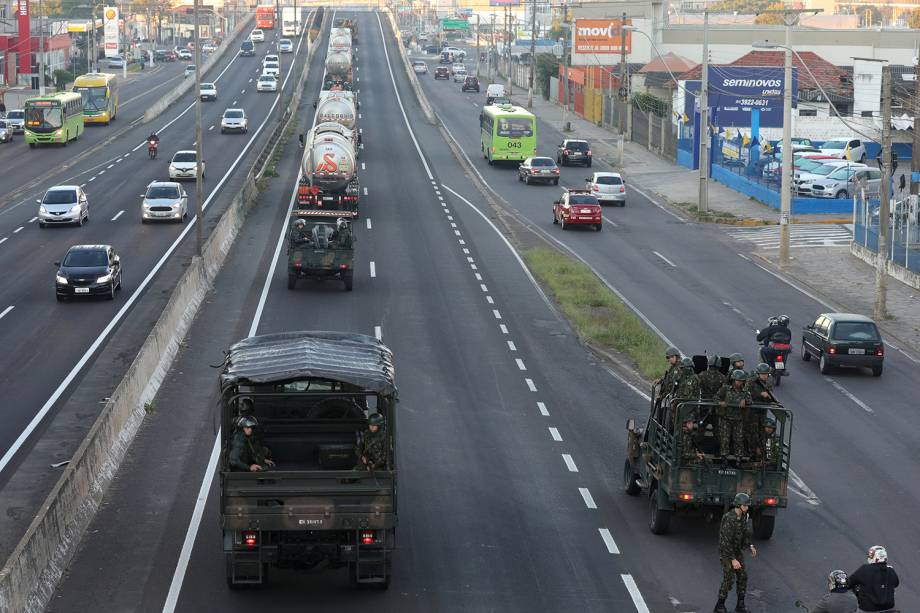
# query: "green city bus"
508,133
56,118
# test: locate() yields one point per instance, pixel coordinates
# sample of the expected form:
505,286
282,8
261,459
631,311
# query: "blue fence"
903,232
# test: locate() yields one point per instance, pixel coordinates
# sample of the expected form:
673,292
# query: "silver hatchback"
63,205
607,187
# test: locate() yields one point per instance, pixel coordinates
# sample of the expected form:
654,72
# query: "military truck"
312,395
656,464
323,249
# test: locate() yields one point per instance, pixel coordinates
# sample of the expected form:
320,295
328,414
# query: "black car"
470,84
573,151
442,72
844,339
247,48
88,270
432,49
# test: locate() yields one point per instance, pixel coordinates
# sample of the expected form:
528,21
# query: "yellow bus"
100,96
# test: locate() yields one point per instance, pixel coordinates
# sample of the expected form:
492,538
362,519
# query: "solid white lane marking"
865,407
543,410
365,191
369,226
512,346
633,589
798,486
530,385
6,310
586,496
666,260
497,314
378,333
611,222
554,432
520,364
18,230
503,328
490,300
118,214
569,463
3,240
373,269
608,541
33,220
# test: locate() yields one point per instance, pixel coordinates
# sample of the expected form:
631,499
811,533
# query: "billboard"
734,91
110,30
601,36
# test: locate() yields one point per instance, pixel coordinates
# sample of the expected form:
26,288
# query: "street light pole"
533,52
478,56
199,149
124,37
703,204
786,182
41,49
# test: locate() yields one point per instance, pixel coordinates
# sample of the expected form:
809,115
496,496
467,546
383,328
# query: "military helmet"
247,421
836,579
375,420
742,498
763,368
687,362
300,223
671,351
738,375
735,357
713,360
769,422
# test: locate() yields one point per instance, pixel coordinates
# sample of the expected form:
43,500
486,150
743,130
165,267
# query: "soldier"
247,453
689,451
761,385
343,233
669,379
769,451
299,234
734,536
760,388
733,399
736,362
711,379
372,449
687,387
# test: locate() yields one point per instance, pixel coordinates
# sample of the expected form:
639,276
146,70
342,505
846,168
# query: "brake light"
588,152
556,170
343,266
880,351
297,264
770,502
367,537
622,188
832,350
685,496
779,357
251,539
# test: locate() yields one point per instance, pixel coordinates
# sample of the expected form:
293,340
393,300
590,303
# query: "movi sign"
601,36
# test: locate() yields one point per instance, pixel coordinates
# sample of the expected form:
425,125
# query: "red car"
577,207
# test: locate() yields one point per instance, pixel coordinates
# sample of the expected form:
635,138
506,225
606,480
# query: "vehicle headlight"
172,167
59,132
42,209
104,278
75,208
146,205
61,280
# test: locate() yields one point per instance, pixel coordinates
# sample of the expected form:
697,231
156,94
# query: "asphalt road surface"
512,441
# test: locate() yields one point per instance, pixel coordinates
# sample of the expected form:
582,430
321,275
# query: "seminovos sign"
601,36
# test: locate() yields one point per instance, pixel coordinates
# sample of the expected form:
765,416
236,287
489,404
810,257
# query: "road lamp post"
533,51
199,149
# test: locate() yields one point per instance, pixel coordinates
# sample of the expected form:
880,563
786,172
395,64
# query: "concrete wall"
902,274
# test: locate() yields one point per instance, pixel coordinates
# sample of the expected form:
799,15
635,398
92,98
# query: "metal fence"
903,230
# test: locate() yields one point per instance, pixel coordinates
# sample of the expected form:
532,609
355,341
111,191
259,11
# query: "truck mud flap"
373,565
245,568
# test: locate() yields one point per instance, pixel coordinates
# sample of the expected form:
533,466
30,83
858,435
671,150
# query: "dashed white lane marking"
3,240
490,300
530,385
478,277
101,172
211,128
118,214
462,242
611,222
586,495
666,260
373,269
378,333
633,590
129,153
243,92
110,166
503,328
543,410
33,220
554,432
608,541
865,407
250,80
473,267
512,346
234,102
569,463
118,160
369,226
520,364
363,167
483,287
497,314
360,130
18,230
450,218
468,258
6,310
91,179
365,191
798,486
359,115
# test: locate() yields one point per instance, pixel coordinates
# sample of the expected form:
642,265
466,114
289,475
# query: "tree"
45,8
771,19
547,66
913,19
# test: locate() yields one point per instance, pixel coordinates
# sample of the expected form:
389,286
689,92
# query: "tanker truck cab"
309,400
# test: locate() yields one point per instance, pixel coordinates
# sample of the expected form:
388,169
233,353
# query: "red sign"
24,46
601,36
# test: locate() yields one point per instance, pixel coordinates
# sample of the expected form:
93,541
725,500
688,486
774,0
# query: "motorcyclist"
874,582
839,599
776,332
153,140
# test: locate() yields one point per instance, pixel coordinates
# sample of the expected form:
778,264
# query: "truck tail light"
685,496
297,264
250,539
367,537
832,350
880,351
770,502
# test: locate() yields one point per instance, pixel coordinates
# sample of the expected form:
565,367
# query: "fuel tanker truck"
337,106
338,64
329,180
339,40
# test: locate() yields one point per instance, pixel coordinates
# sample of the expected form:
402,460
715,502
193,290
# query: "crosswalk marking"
802,235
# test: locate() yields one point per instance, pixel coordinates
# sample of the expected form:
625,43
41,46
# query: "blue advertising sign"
734,91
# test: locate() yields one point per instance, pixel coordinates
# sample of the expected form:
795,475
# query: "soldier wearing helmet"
669,379
733,400
874,582
688,385
760,387
770,444
734,538
372,447
247,453
736,362
839,598
299,234
711,379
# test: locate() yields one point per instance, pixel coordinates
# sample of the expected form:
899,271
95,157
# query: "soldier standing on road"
247,453
372,449
734,537
733,400
711,380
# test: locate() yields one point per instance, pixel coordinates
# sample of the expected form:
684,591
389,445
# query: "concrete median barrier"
413,79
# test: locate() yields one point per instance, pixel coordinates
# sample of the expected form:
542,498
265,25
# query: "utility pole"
881,257
508,45
533,52
565,70
41,49
915,158
491,48
199,148
624,98
478,56
786,181
703,205
95,56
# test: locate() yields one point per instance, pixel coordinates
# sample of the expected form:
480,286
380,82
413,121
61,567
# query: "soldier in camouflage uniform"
771,444
712,379
372,450
689,451
247,453
736,362
299,234
734,537
686,388
733,400
669,378
760,386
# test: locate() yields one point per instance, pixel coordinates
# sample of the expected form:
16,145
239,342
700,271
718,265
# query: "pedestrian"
874,582
733,401
734,537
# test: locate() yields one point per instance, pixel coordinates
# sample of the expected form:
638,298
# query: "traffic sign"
455,24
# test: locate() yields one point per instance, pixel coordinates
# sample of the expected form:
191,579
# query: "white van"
493,91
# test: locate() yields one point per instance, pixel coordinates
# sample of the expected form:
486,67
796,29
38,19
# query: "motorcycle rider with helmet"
839,598
874,582
152,142
776,332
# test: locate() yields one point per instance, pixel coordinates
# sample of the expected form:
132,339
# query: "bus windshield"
45,118
515,127
94,98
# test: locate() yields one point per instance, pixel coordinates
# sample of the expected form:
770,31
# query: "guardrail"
31,574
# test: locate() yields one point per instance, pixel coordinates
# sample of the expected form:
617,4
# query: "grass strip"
597,314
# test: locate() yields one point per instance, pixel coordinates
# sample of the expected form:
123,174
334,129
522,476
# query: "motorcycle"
152,149
775,352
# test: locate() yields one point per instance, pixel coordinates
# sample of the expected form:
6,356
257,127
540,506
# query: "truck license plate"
857,352
81,290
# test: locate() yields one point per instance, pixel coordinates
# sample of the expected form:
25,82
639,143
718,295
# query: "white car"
234,120
16,120
802,181
267,83
164,201
457,53
457,66
285,45
63,205
183,54
460,74
270,58
257,36
183,165
189,70
208,91
208,48
271,68
607,187
838,148
420,67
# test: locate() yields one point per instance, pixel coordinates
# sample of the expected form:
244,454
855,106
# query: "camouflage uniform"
373,446
688,447
711,381
734,538
771,445
246,451
753,420
669,379
688,385
731,430
300,235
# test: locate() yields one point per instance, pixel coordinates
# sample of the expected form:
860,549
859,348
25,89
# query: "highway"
512,434
50,344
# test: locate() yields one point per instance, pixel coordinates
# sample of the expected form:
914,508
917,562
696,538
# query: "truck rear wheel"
630,480
292,280
763,526
659,519
348,282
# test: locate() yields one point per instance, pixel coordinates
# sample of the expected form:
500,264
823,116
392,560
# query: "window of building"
808,112
866,114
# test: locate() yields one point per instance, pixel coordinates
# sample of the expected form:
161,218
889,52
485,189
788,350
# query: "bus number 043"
514,144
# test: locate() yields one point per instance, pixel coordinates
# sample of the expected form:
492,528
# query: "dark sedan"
470,84
88,270
844,339
442,72
538,169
